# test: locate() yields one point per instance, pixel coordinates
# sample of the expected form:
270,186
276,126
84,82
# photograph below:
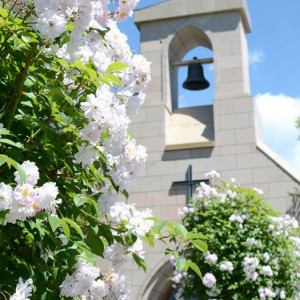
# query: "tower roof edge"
174,9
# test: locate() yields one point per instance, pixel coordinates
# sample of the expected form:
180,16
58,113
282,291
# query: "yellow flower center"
25,193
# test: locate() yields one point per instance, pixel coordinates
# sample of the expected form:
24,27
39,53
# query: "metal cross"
190,182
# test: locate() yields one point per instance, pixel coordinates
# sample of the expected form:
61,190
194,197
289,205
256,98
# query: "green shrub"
253,251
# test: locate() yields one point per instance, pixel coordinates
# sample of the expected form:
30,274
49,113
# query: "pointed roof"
171,9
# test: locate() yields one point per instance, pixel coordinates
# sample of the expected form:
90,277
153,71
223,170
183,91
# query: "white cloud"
296,155
279,113
255,56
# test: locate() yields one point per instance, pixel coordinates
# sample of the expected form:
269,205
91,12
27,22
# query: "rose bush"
69,86
253,252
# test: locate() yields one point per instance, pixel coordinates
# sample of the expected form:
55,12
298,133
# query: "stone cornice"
174,9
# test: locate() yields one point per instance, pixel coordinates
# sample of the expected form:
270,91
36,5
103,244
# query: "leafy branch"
13,102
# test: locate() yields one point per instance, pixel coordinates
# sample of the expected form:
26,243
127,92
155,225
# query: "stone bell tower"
225,136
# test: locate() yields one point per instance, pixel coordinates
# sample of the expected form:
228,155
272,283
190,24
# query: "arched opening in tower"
188,98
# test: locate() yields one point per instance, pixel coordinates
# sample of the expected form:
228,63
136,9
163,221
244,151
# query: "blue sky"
274,57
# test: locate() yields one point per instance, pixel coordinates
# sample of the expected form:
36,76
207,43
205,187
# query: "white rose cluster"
84,282
23,290
266,293
212,175
209,280
88,282
110,110
52,16
137,221
213,258
107,114
284,224
250,265
245,244
266,270
205,191
119,255
251,241
185,210
26,199
226,266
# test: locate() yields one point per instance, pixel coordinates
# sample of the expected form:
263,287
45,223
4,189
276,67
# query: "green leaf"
149,239
95,206
131,237
118,239
95,243
60,118
161,224
59,94
180,263
29,81
181,230
65,228
88,255
63,62
20,171
139,261
95,173
116,67
156,232
170,251
194,267
10,142
125,193
4,131
232,287
31,96
74,225
113,79
10,162
106,81
3,159
79,200
87,70
153,219
27,103
194,236
54,222
3,215
202,246
3,12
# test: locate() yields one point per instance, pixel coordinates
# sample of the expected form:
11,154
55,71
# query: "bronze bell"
195,80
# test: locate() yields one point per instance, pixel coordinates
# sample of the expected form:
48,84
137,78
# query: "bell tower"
171,29
225,136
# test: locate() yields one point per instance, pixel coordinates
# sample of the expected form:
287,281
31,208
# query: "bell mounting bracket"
189,62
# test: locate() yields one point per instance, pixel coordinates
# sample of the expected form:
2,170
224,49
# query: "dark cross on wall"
189,181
